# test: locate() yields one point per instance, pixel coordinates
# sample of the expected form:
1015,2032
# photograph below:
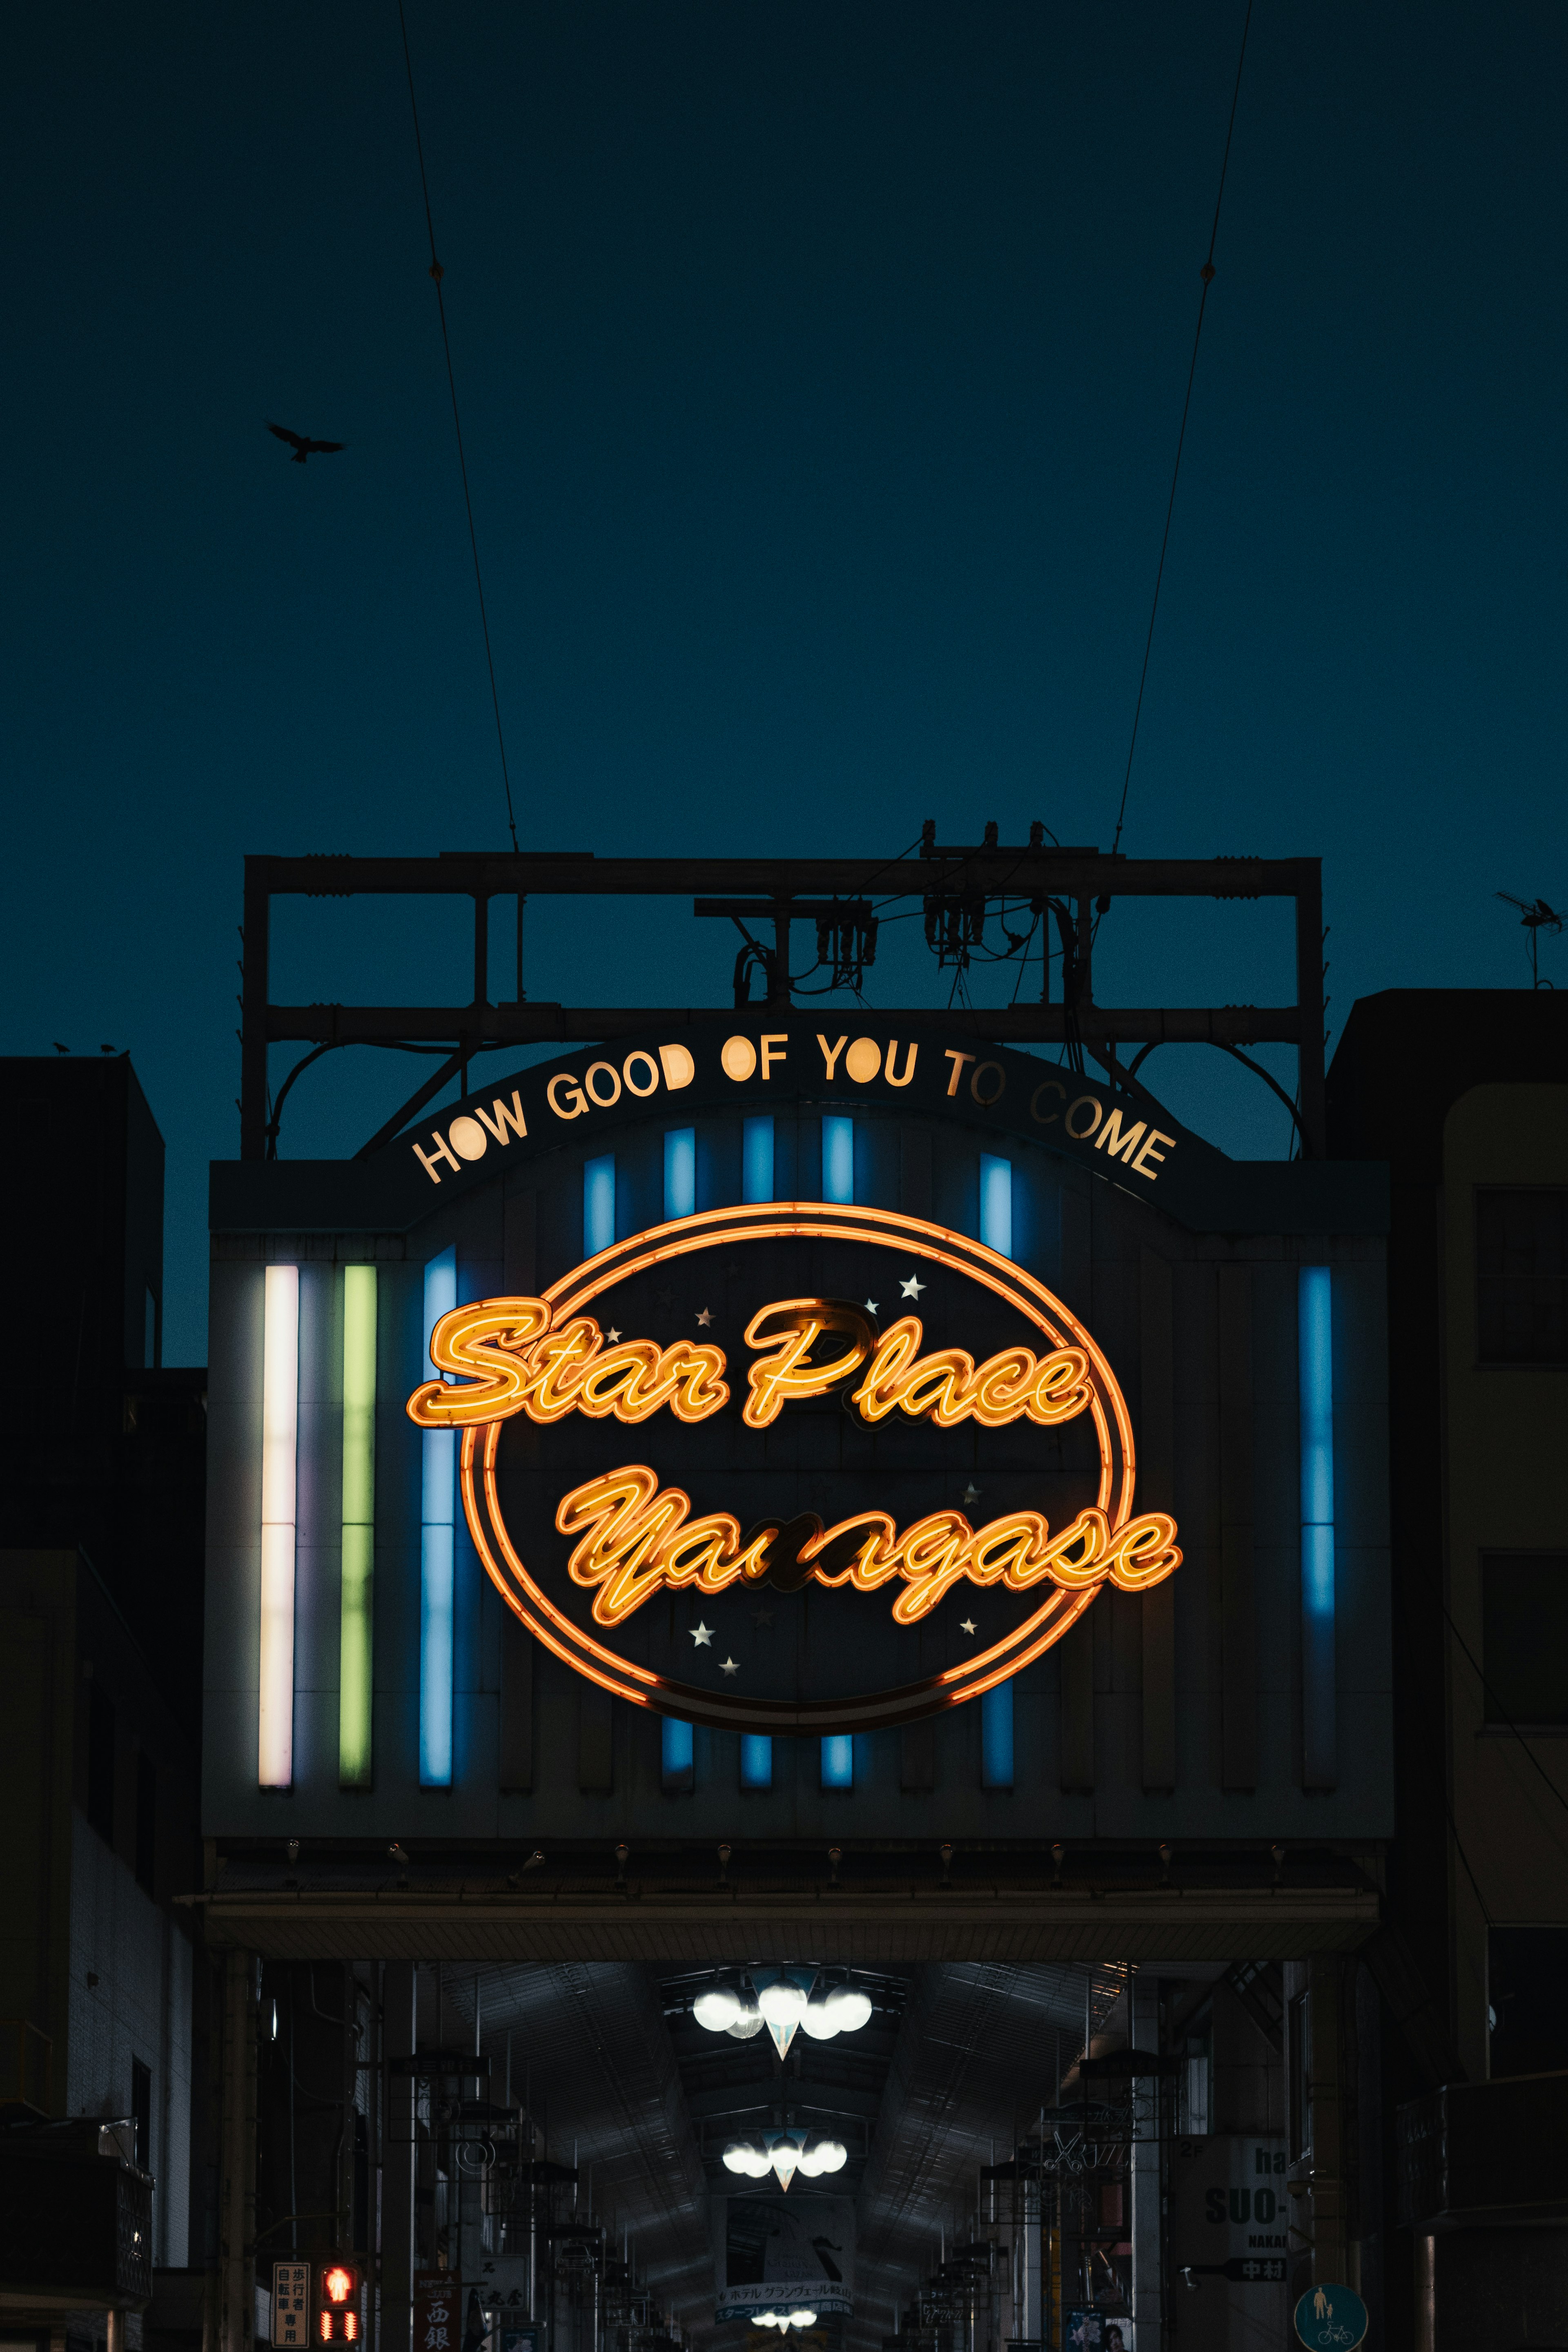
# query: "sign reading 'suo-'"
795,1467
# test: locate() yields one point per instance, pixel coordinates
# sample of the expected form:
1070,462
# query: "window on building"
756,1760
599,1204
1521,1276
141,2112
1524,1636
146,1820
838,1761
1298,2060
100,1761
1527,2000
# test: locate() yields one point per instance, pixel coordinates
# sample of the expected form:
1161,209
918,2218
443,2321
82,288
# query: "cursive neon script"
635,1538
508,1357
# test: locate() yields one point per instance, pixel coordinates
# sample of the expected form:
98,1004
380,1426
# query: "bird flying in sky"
302,445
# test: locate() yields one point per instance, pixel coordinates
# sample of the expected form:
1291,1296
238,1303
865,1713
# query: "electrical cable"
436,274
1206,273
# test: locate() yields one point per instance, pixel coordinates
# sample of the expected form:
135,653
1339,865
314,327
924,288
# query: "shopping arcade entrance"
578,1994
426,1752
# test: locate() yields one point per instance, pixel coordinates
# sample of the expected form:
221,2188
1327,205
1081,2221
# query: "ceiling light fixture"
782,2001
786,2000
784,2154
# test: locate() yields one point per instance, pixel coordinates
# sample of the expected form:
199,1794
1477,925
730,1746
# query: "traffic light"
339,2319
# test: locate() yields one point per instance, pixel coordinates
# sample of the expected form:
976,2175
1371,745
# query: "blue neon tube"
838,1159
757,1160
598,1204
996,1204
681,1172
1316,1338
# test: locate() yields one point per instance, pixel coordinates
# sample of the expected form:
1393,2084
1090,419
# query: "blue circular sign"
1330,2319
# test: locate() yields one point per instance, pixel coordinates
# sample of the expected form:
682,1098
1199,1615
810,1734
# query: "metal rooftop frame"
1077,884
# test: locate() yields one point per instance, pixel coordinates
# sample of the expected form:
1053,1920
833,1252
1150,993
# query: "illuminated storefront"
763,1430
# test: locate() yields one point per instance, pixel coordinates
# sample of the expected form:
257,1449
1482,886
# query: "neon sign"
634,1534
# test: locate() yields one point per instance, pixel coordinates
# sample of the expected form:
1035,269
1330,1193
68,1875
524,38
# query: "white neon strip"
280,1453
436,1563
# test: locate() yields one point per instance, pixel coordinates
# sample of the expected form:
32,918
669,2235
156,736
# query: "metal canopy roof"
950,2071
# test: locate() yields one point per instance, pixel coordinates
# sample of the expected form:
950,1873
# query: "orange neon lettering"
1144,1552
947,1388
511,1361
636,1539
485,1345
788,1372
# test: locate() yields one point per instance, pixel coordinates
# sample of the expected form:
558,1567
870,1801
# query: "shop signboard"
671,1420
1230,2240
784,2255
437,2312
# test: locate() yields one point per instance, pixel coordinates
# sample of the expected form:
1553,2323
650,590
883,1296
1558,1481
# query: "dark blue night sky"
821,370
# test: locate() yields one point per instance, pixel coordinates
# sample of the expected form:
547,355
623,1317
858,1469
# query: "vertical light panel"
598,1204
280,1453
437,1572
996,1705
676,1753
675,1769
756,1748
996,1737
838,1159
356,1614
1315,1319
757,1160
838,1752
679,1172
996,1204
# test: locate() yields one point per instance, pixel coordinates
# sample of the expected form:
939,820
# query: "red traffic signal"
338,2321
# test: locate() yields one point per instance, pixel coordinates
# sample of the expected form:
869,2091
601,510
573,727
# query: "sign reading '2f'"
693,1465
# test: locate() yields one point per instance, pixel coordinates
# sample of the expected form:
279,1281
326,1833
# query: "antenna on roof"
1536,918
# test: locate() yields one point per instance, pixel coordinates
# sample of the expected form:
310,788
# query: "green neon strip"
354,1678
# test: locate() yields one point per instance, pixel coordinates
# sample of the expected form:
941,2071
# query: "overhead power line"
1206,273
436,274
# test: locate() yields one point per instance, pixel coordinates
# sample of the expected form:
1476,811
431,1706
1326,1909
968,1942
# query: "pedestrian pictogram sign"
1330,2319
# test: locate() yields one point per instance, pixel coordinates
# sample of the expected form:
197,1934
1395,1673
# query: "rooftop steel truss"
1079,884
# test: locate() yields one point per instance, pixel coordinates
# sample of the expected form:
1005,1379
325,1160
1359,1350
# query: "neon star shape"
612,1337
701,1634
967,1626
971,1493
913,1287
704,1319
872,1307
729,1667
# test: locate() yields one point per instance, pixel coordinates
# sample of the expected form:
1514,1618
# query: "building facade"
535,1668
1465,1096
